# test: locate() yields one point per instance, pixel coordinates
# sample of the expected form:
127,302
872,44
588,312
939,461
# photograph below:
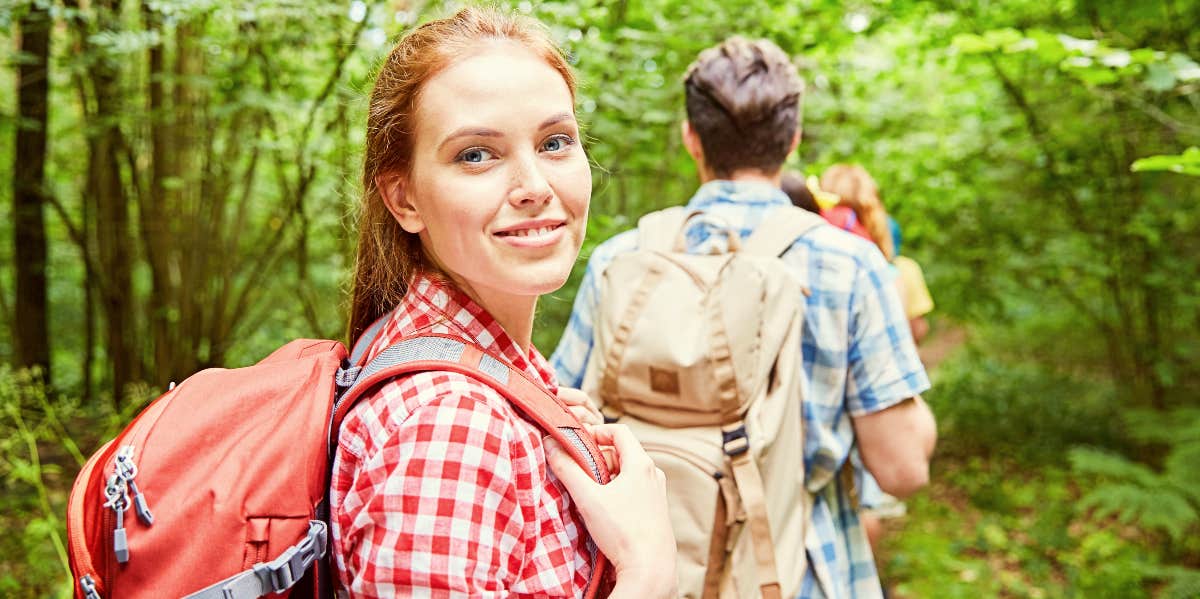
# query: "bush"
987,404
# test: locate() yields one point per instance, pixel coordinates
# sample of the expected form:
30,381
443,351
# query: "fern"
1166,501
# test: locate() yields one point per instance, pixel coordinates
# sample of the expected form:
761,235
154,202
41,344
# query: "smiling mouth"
533,232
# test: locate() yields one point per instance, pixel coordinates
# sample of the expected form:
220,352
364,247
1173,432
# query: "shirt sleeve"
570,358
438,506
884,368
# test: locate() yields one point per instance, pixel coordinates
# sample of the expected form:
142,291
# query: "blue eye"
474,155
556,143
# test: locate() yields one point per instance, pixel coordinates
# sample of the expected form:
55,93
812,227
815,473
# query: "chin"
539,281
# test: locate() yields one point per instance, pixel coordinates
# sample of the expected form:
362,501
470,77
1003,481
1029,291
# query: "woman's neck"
514,313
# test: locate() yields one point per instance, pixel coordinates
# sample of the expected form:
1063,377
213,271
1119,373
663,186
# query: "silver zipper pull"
89,588
141,506
118,501
127,469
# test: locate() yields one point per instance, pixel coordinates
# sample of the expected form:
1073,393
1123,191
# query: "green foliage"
1163,501
1030,150
986,403
1187,163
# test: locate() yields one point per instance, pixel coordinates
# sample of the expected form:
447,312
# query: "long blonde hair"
856,189
388,256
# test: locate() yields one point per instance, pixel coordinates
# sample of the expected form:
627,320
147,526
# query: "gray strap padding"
422,348
274,576
366,339
780,229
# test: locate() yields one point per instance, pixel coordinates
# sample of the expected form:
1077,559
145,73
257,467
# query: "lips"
533,235
531,229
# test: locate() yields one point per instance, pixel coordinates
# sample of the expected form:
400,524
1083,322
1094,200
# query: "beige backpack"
700,356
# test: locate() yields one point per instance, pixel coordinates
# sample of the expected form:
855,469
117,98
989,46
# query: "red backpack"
228,472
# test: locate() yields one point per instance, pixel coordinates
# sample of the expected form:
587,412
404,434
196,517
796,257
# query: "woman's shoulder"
444,404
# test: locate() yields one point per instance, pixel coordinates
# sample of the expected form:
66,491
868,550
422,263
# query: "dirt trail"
941,344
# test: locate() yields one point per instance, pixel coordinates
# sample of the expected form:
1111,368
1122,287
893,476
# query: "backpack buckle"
281,573
735,442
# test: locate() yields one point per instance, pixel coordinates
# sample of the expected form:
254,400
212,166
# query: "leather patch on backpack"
664,381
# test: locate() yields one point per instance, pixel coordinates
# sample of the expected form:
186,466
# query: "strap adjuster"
735,442
281,573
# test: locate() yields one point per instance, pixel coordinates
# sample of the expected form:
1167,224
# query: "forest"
181,179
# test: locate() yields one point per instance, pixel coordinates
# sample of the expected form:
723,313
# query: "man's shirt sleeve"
570,358
884,368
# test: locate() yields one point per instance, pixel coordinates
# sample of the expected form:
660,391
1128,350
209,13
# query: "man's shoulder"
832,259
832,241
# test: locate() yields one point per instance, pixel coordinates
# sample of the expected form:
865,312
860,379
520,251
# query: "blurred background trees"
184,176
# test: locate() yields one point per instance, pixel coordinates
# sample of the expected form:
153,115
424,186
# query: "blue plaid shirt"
858,354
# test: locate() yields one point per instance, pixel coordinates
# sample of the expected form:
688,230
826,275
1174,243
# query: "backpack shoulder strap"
367,338
780,230
449,353
658,230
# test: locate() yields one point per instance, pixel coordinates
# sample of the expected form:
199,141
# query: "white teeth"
529,232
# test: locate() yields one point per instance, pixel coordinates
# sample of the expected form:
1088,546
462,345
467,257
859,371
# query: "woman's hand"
627,518
579,404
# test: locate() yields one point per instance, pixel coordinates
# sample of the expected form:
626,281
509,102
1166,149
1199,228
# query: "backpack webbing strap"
751,491
275,576
658,230
448,353
780,230
613,358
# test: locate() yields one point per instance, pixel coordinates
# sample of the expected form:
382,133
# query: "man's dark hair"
743,100
796,188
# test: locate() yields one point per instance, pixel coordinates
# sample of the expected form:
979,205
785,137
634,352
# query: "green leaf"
1160,77
969,43
1187,163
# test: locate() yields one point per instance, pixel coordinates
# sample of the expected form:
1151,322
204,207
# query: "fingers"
585,415
571,474
630,453
573,397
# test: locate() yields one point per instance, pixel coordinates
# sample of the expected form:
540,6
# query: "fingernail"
551,445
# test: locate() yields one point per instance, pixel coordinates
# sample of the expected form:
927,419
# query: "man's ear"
795,141
691,142
392,189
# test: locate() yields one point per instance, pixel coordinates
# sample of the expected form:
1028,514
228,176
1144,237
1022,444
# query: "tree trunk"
163,199
114,240
32,336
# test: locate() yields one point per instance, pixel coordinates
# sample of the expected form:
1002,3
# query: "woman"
475,203
859,209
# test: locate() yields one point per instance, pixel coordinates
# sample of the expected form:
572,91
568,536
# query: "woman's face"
499,184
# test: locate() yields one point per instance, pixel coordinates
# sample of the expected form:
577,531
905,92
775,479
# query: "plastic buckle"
281,573
735,442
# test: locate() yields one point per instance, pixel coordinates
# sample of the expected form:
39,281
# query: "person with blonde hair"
476,193
858,204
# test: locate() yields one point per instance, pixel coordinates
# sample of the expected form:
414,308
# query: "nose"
529,184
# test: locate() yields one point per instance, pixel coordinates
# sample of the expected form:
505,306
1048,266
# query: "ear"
392,190
691,142
795,142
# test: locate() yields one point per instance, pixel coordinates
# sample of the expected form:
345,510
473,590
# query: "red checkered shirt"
440,488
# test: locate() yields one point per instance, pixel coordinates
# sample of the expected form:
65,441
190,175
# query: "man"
864,378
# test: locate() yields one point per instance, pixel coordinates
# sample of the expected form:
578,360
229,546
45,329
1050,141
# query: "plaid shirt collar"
746,193
433,302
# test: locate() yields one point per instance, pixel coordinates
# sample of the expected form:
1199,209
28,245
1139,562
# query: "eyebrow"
556,119
470,132
485,132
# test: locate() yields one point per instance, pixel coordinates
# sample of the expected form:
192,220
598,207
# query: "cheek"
575,186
